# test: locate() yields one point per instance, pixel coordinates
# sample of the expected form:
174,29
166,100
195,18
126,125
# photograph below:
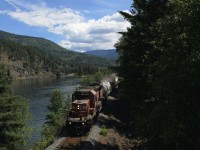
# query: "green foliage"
137,56
14,117
96,78
178,82
159,65
55,120
56,101
68,103
104,131
5,78
87,80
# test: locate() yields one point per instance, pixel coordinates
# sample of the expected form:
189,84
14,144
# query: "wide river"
38,92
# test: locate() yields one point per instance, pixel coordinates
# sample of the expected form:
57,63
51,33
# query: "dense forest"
32,56
159,66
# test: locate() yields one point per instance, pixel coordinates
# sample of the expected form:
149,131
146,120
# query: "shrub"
104,131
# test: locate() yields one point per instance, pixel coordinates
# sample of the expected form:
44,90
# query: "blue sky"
79,25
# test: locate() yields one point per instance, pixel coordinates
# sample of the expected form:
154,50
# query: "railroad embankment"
109,132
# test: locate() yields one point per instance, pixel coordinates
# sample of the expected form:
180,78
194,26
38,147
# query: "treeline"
59,63
159,63
95,78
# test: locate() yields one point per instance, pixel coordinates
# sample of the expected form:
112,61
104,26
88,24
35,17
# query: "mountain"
104,53
44,44
30,57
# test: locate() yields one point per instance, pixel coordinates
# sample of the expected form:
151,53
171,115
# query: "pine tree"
14,117
136,51
55,120
159,62
55,116
177,113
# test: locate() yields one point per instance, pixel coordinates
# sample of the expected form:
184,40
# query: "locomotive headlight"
70,123
78,106
82,123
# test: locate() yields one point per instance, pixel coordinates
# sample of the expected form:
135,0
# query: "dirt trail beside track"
117,135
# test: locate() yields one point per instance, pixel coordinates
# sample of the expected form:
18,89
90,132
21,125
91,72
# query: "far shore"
44,77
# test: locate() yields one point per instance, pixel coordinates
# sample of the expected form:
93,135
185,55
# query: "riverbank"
44,75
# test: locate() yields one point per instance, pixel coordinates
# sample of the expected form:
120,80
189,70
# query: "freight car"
86,104
112,80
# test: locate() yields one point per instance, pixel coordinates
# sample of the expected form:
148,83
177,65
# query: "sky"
79,25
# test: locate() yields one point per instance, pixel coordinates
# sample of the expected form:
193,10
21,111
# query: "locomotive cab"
86,103
79,112
80,108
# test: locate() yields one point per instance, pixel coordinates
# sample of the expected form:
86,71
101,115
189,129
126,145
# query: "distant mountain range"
32,57
104,53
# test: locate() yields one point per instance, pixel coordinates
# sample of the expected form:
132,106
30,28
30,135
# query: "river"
38,92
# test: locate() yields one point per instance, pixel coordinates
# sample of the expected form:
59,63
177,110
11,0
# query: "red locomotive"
86,104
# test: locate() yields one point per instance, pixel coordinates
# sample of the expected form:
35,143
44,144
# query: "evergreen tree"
55,116
55,120
177,84
136,51
159,62
14,117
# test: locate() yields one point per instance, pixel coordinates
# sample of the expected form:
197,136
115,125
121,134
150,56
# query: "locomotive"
87,102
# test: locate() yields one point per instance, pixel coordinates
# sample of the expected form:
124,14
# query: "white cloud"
48,17
80,34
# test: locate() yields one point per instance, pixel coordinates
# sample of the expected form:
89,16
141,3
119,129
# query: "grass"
104,131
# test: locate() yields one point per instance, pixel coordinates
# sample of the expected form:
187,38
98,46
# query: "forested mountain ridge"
111,53
44,44
30,57
48,46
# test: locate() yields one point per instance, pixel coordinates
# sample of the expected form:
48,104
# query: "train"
87,102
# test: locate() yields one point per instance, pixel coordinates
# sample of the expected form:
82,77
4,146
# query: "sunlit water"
38,92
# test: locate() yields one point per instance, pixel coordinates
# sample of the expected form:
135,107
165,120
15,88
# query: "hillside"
51,47
104,53
30,57
44,44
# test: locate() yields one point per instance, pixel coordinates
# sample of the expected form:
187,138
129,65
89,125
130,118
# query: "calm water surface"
38,92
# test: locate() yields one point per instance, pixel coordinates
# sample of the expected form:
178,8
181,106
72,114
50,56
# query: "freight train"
87,102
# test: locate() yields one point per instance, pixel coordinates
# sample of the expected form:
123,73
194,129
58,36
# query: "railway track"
71,143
